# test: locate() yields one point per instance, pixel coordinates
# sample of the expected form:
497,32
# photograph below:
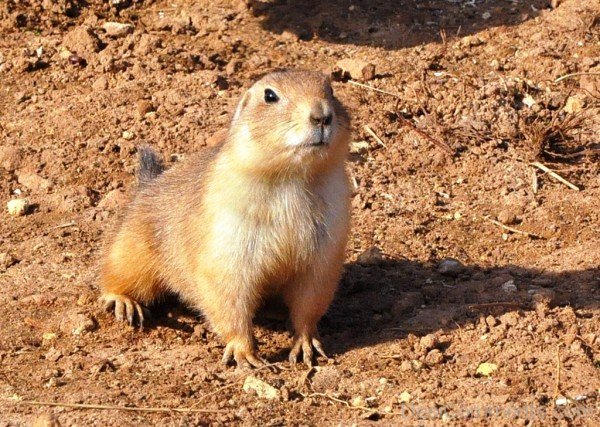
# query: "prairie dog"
265,213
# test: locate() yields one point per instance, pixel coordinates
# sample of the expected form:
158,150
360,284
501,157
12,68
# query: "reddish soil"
409,328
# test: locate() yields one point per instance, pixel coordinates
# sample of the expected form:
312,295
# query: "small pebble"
355,69
434,357
450,267
509,287
17,207
260,388
428,342
373,255
6,261
117,29
506,217
404,397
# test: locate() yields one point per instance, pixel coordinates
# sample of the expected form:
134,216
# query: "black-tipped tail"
151,165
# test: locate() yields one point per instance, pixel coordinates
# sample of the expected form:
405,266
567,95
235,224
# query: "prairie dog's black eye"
270,96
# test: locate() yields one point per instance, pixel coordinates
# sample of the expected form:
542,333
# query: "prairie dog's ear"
241,105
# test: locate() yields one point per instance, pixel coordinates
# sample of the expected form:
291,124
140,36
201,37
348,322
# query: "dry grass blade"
557,139
555,175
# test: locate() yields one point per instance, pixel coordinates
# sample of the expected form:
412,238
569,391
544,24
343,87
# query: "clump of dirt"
471,291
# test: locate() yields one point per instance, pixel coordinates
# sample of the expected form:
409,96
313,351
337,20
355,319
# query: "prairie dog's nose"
320,116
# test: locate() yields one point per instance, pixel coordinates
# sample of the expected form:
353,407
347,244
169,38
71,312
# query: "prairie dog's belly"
279,235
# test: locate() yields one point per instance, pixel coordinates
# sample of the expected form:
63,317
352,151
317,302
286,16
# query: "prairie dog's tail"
151,165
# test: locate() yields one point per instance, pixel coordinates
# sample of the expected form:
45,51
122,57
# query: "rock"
407,302
404,397
434,357
82,40
491,321
511,318
77,324
406,366
53,355
509,287
486,369
428,342
507,217
326,378
217,138
573,105
18,207
450,267
371,256
10,158
117,29
6,261
33,181
289,36
358,402
411,365
355,69
260,388
359,147
112,200
543,297
101,83
144,107
128,135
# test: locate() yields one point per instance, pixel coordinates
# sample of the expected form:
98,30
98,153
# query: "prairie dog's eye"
270,96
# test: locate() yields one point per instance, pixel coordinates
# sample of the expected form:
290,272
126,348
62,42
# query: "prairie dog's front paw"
306,343
125,308
243,353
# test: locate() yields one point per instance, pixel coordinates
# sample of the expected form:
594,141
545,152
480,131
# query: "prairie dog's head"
290,120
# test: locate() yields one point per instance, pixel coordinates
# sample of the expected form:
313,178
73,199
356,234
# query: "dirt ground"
411,332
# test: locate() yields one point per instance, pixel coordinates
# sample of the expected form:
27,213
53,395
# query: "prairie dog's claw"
243,355
125,308
306,343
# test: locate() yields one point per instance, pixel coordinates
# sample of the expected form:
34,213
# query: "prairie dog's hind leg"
129,277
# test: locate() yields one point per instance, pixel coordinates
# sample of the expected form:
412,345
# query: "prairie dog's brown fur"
266,213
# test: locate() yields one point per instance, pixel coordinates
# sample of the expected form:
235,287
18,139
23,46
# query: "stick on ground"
568,76
554,175
374,135
511,229
118,408
355,83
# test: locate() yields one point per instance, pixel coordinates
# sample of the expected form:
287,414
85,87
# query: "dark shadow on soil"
387,301
389,24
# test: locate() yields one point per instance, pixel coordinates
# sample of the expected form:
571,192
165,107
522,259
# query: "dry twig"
568,76
119,408
374,135
554,175
424,135
557,382
511,229
496,304
373,88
